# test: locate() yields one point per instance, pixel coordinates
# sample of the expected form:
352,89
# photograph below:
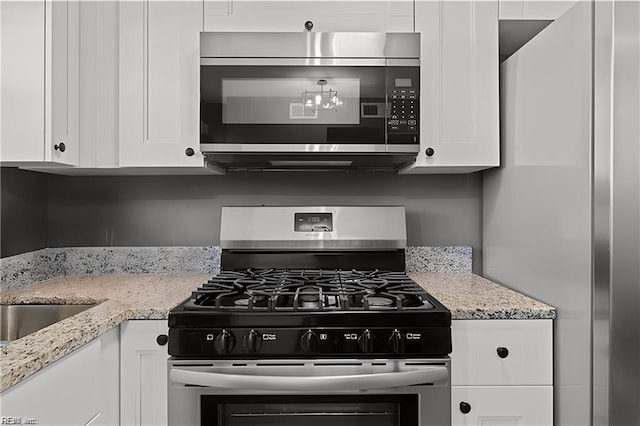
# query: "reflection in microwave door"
298,111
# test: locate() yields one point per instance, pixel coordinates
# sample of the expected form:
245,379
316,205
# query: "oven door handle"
351,382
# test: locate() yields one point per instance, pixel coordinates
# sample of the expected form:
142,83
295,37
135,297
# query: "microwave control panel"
403,101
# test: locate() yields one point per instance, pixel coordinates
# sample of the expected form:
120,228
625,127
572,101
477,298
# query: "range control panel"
317,342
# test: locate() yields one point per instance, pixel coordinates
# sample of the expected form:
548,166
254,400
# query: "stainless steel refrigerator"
561,217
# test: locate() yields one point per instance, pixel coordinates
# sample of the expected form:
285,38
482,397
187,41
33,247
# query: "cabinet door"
459,86
62,77
64,393
143,373
40,77
109,379
502,406
159,83
22,86
256,15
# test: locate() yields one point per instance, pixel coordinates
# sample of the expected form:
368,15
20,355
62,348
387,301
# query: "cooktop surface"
309,312
303,290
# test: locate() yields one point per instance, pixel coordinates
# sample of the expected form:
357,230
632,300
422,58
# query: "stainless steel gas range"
312,318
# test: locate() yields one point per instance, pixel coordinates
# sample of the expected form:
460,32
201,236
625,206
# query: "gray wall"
185,210
23,211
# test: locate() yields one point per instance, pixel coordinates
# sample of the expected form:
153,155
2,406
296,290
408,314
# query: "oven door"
288,105
289,392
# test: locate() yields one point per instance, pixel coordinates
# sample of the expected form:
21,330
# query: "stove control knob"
224,342
309,342
367,342
396,342
252,342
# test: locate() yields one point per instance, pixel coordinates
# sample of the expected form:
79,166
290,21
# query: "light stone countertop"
123,297
469,296
120,297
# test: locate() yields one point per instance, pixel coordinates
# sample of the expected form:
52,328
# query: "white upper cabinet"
159,83
40,75
534,9
459,86
326,16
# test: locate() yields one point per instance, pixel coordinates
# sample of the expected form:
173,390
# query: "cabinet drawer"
502,405
525,357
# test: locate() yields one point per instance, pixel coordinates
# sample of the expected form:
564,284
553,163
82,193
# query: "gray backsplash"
23,211
25,269
184,211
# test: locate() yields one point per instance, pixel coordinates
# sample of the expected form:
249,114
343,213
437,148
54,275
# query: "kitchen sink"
17,321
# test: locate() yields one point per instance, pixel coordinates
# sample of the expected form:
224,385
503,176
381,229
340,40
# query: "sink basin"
17,321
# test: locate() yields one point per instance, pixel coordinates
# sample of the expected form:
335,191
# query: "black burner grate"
309,290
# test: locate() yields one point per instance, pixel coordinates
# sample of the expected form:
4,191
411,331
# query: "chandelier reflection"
321,99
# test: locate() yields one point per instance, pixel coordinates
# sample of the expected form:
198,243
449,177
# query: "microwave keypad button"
402,112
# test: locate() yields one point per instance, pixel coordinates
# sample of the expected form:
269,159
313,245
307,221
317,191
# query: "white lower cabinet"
502,405
79,389
143,383
502,372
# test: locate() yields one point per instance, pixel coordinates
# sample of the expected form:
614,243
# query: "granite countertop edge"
118,298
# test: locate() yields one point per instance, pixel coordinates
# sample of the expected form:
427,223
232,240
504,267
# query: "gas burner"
241,302
375,301
309,297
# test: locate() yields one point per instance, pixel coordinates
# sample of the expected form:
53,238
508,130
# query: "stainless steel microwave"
310,100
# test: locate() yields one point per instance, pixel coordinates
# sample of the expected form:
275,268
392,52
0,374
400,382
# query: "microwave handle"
352,382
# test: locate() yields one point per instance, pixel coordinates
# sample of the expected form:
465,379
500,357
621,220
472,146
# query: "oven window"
299,104
309,410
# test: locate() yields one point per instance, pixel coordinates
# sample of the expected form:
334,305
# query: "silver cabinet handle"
316,383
